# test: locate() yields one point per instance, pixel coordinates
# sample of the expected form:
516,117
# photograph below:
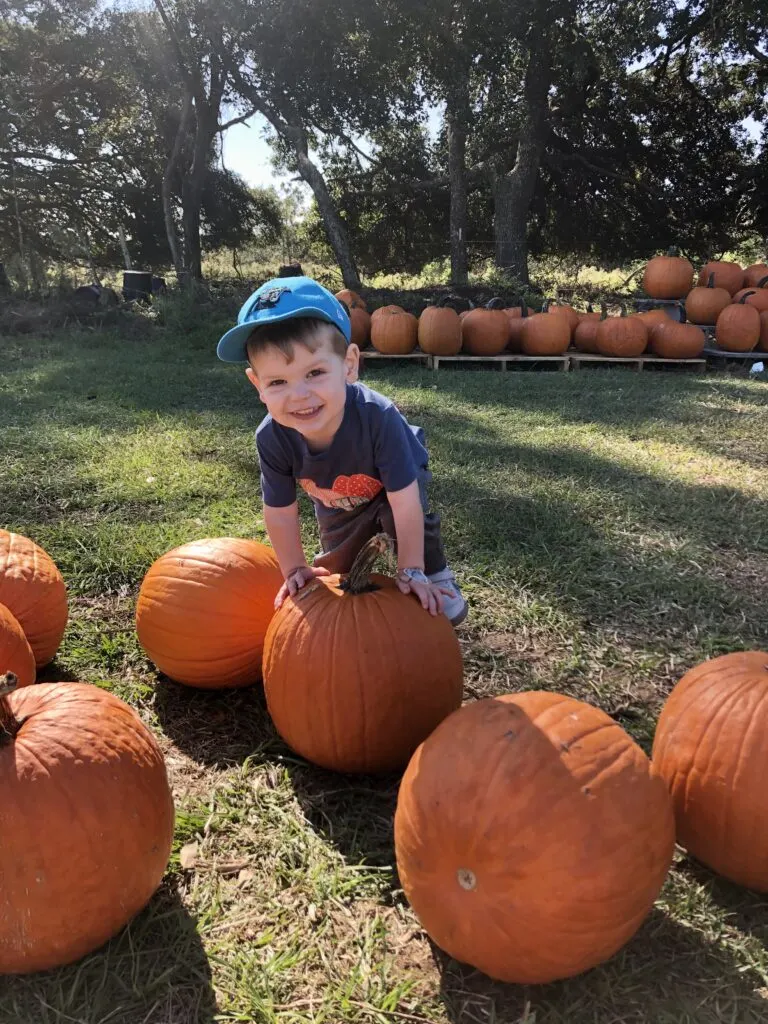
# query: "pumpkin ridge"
746,734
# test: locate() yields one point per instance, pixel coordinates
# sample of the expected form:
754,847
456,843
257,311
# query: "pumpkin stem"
357,580
495,303
711,281
9,724
762,282
744,298
673,251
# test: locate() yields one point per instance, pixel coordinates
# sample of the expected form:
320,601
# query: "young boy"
350,449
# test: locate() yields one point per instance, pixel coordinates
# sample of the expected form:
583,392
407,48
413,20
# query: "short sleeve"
278,484
393,450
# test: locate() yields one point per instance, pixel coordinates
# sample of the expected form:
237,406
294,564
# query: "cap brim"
232,345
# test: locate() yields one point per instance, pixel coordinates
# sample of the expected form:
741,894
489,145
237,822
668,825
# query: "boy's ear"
352,364
249,373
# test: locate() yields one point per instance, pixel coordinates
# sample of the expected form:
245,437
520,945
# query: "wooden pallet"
422,357
502,361
578,359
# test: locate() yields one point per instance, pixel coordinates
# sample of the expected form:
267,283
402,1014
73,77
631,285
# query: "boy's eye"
316,373
276,383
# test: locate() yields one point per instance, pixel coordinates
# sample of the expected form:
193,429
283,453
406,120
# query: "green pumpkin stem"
9,724
711,281
357,580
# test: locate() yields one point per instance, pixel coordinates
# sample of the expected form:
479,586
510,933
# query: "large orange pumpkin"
395,332
546,335
673,340
726,275
738,327
351,299
532,836
622,336
564,310
754,275
585,335
87,822
517,315
16,655
203,611
361,326
32,589
705,303
710,748
440,331
668,277
357,674
385,309
485,331
757,296
763,343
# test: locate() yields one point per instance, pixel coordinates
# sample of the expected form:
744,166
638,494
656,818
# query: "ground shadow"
155,971
217,727
354,813
668,974
746,909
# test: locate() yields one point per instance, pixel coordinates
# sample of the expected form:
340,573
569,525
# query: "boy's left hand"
431,595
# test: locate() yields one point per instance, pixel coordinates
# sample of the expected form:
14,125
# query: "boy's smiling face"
306,391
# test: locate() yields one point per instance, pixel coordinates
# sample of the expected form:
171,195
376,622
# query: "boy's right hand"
296,580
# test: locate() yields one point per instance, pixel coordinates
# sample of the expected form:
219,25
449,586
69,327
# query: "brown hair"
300,330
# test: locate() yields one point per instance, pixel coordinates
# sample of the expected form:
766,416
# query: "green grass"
610,531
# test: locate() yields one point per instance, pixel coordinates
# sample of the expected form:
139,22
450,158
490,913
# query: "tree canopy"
424,129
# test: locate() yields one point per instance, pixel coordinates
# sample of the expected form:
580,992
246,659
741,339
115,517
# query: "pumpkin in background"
585,336
440,331
704,304
532,836
203,611
351,299
16,655
757,297
87,822
546,335
395,332
361,326
652,317
485,331
385,309
754,275
568,312
673,340
668,277
738,327
341,690
710,749
763,342
726,275
33,591
517,315
590,314
621,336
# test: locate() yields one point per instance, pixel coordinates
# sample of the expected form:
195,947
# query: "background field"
609,530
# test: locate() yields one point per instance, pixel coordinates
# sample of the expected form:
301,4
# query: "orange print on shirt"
346,492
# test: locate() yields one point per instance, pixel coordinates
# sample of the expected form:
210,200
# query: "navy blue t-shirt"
374,449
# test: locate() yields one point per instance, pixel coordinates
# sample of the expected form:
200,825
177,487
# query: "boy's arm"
283,529
409,527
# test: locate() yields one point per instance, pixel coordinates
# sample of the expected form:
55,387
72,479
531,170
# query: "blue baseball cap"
282,298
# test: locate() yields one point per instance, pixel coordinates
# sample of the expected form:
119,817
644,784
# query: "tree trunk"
457,120
512,194
335,228
513,189
171,168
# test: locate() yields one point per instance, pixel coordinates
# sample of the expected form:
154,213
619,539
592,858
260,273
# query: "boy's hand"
296,580
431,595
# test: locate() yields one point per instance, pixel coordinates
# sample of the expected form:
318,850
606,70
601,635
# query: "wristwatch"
414,575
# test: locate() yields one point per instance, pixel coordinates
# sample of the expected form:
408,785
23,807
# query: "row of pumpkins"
495,328
733,298
532,834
